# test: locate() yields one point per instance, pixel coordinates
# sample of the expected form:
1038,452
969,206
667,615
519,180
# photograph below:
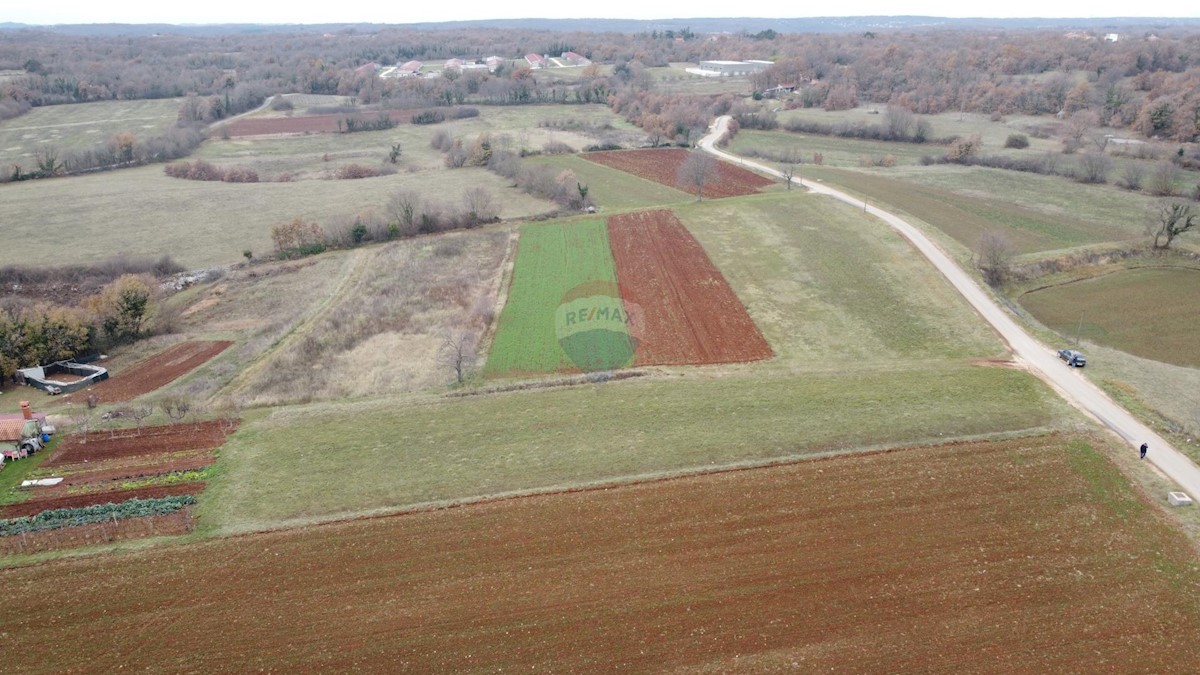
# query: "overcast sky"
394,11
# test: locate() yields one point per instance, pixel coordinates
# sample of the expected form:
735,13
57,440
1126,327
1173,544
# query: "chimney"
26,411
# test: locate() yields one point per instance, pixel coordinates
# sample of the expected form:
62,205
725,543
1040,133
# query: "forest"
1147,81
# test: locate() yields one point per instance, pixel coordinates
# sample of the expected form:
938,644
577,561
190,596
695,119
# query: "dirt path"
1042,360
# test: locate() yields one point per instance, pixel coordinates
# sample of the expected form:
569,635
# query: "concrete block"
1178,499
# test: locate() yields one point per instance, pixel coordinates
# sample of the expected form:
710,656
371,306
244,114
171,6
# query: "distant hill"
699,25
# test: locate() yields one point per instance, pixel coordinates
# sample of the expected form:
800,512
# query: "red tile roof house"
19,433
575,59
535,61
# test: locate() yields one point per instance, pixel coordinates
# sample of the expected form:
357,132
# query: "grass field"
1114,310
836,152
80,126
613,189
552,259
311,156
992,133
307,462
828,285
852,370
972,201
143,212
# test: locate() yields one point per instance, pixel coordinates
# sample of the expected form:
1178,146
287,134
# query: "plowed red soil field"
661,165
97,446
107,478
154,372
258,126
1027,555
38,504
691,315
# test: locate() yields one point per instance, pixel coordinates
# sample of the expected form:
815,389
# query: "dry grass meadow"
81,126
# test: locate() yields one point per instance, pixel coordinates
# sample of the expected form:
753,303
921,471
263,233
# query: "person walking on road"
1144,448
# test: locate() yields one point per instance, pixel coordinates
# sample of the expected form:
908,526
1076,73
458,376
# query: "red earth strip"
661,165
690,315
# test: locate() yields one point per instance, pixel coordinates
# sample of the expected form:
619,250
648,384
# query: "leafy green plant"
99,513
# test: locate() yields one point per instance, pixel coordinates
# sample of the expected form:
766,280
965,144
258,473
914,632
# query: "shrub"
557,148
279,103
429,117
441,140
602,147
1017,141
352,171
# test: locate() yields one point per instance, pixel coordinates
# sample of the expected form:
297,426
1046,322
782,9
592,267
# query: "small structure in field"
453,64
1178,499
493,62
535,60
409,69
575,59
731,68
63,376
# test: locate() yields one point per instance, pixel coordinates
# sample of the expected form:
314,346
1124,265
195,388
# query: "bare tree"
898,122
1093,168
788,171
1171,221
82,421
403,207
1163,179
175,407
994,257
1132,176
698,170
139,413
480,205
1079,124
458,353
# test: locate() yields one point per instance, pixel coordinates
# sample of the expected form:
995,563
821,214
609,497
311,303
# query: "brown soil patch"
1028,555
180,522
690,314
39,504
98,446
662,166
152,373
259,126
110,477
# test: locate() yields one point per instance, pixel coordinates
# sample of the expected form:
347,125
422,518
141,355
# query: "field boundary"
630,480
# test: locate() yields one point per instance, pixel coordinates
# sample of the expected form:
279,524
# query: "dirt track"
1042,360
152,373
954,558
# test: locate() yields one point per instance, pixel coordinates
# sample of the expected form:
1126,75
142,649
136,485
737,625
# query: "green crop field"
551,260
613,189
317,461
81,126
1149,312
143,212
